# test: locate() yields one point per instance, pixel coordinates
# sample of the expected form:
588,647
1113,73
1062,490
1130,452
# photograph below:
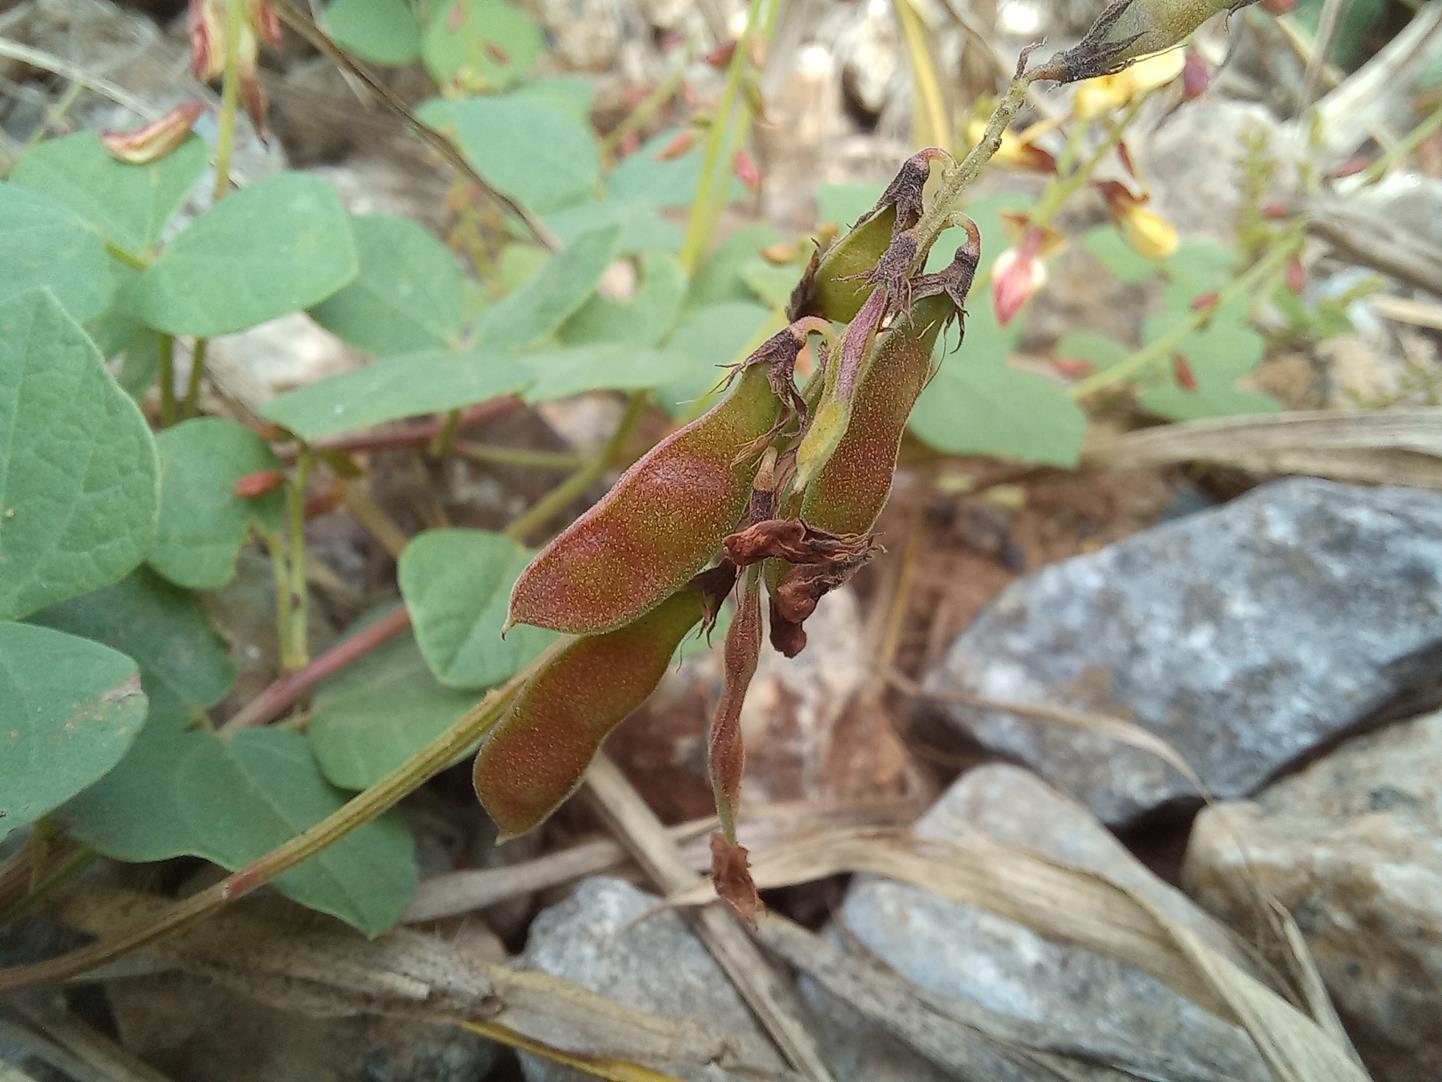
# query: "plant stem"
555,501
1404,147
1060,190
285,692
520,456
197,372
1159,348
445,441
298,654
229,95
130,259
167,380
275,546
416,435
645,112
361,809
707,208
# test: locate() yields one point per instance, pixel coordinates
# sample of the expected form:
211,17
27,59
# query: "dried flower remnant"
1018,150
153,141
731,876
1145,231
208,26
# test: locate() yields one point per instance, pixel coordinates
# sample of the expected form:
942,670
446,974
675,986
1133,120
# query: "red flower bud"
720,56
745,168
1072,368
678,146
1278,7
1296,275
252,486
156,139
1205,301
1196,75
1275,211
1182,373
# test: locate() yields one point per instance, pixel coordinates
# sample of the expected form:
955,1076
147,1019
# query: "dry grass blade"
1068,904
85,1052
768,996
1123,732
1401,446
965,1039
462,892
286,958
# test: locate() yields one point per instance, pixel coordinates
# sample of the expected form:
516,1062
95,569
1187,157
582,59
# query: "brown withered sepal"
731,876
794,541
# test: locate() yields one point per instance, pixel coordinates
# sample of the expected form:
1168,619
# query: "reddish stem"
285,692
414,435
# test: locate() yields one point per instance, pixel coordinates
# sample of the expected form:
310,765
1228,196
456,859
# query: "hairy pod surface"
847,494
534,757
659,525
837,291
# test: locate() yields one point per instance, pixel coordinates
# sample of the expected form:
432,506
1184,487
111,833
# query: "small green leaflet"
129,204
483,43
79,484
48,245
407,296
184,668
203,523
281,245
69,709
381,31
375,714
563,373
457,585
642,320
559,289
231,801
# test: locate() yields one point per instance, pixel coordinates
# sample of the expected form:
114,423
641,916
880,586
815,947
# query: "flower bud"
1196,75
1182,373
745,168
252,486
1020,271
1146,232
156,139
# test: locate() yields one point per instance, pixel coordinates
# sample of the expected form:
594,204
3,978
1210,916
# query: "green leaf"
1209,399
485,44
642,227
645,179
719,279
773,285
79,476
129,204
843,204
1198,267
642,320
407,296
707,340
381,31
542,155
68,711
457,585
281,245
378,712
989,216
231,802
183,664
565,372
978,405
48,244
1219,355
1116,255
572,94
203,523
140,365
396,387
1100,350
542,304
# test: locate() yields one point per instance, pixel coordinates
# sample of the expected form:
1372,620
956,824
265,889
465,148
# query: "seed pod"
534,757
1128,30
659,525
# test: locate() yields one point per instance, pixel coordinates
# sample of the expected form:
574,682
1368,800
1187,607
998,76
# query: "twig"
718,928
38,58
414,435
285,692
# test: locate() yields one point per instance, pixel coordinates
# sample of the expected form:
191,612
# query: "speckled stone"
1246,637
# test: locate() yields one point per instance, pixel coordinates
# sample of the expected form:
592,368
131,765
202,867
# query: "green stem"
197,373
555,501
645,112
1159,348
363,808
229,95
275,545
710,192
298,655
1404,148
130,259
520,456
167,380
1059,191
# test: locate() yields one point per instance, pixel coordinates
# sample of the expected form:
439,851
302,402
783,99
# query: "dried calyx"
776,489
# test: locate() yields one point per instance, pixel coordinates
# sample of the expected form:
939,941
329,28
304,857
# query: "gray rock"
1352,845
1245,637
1097,1006
606,937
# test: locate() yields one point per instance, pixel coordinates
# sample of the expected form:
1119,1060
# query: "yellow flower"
1100,96
1145,231
1018,150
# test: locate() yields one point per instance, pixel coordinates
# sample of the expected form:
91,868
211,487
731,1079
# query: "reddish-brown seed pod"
848,493
535,756
659,525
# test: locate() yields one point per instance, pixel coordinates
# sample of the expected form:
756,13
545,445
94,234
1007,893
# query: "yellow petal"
1157,70
1099,96
1148,233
